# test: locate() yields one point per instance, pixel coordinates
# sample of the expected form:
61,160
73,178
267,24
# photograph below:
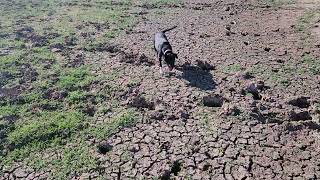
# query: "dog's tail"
166,30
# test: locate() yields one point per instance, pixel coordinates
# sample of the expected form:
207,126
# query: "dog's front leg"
160,65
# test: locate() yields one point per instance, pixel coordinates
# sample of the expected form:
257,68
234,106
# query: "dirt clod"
299,115
140,102
301,102
205,65
213,101
70,41
104,147
253,89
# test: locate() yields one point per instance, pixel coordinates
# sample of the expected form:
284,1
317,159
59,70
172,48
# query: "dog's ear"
175,55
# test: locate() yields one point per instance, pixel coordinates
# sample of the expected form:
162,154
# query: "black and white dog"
164,49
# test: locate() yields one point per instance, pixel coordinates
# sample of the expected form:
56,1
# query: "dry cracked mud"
257,126
249,137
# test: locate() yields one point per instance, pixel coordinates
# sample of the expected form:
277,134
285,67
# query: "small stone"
227,8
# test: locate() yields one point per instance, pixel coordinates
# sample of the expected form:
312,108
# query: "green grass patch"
305,21
159,3
75,78
46,128
277,3
125,119
232,68
311,64
74,160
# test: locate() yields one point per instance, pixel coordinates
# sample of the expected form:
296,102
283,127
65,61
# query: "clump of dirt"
104,147
135,59
90,110
55,94
230,110
140,102
205,65
299,115
29,74
143,59
57,47
70,40
104,47
156,115
253,89
27,33
300,101
74,60
213,101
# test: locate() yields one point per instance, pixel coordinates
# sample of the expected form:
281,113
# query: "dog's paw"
161,72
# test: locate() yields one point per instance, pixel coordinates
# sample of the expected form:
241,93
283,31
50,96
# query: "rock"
227,8
213,101
205,65
104,147
300,101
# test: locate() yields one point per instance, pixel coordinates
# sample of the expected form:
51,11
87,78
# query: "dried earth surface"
243,102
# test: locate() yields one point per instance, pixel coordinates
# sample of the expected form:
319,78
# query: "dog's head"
170,59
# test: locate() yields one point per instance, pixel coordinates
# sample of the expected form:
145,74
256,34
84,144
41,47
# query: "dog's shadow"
196,77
